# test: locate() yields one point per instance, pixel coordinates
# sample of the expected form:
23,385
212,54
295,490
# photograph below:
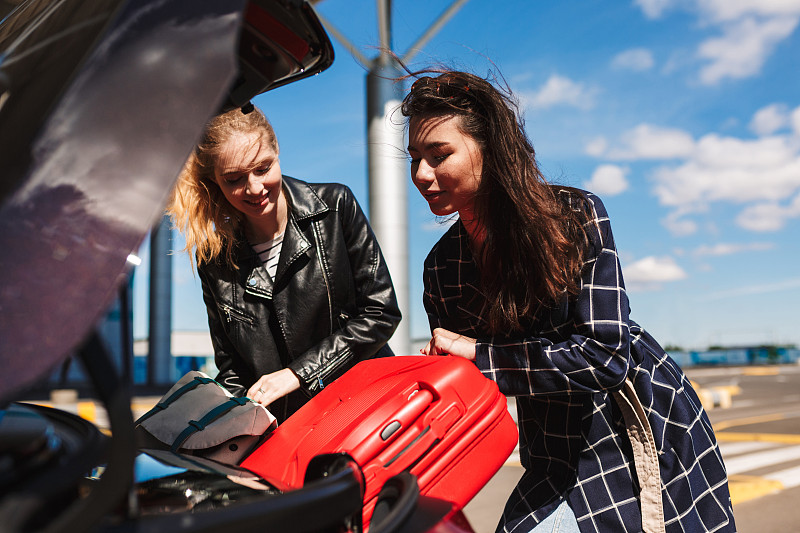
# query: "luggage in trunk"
436,417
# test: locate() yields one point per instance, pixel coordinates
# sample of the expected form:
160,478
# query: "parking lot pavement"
484,511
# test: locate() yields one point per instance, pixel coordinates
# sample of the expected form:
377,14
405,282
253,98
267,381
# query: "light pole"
159,361
387,168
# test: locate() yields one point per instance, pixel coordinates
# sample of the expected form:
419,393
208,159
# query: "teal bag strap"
160,406
199,425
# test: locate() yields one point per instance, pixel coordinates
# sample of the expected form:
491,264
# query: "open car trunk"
101,102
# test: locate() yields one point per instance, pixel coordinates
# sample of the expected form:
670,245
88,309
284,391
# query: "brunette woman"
294,282
528,285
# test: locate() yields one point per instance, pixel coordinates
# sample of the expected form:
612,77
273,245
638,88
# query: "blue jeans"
561,520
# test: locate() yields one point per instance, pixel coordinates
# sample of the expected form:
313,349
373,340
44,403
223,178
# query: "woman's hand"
445,342
270,387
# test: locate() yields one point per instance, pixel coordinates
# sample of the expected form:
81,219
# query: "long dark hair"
534,243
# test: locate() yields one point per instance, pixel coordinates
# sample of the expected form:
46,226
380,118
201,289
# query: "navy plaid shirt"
573,442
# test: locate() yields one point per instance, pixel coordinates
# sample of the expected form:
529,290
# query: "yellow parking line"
716,396
719,426
142,406
781,438
760,371
87,411
744,488
732,389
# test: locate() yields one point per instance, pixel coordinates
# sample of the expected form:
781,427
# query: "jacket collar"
303,200
304,203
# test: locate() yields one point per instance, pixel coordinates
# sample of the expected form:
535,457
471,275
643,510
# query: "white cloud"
677,60
722,10
598,146
722,249
731,170
677,225
638,59
770,119
765,153
560,90
743,47
749,32
794,119
650,272
779,286
768,216
608,180
646,141
653,8
758,174
761,218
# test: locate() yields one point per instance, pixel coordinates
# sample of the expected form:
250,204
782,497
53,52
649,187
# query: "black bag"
198,416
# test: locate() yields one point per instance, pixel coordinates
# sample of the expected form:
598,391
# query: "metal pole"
387,166
126,331
159,362
437,25
388,186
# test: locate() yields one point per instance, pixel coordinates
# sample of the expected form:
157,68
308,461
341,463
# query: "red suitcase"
437,417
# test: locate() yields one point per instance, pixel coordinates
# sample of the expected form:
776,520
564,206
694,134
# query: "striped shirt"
269,253
562,371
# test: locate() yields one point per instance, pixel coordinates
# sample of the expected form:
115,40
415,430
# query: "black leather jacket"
332,303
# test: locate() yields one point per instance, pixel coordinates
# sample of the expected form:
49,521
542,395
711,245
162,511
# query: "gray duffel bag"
198,416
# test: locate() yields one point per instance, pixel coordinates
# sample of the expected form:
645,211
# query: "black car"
101,101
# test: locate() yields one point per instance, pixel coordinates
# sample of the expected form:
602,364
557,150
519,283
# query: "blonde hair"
197,206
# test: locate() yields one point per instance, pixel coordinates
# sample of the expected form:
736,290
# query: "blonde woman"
295,285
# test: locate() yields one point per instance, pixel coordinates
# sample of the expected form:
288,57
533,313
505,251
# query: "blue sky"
683,115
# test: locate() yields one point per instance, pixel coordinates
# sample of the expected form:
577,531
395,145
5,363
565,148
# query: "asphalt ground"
755,411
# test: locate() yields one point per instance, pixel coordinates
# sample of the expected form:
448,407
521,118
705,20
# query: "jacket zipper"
343,357
324,273
231,313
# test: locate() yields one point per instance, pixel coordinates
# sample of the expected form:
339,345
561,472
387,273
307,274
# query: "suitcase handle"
403,418
407,457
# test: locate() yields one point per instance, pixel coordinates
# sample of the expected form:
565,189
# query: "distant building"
738,355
